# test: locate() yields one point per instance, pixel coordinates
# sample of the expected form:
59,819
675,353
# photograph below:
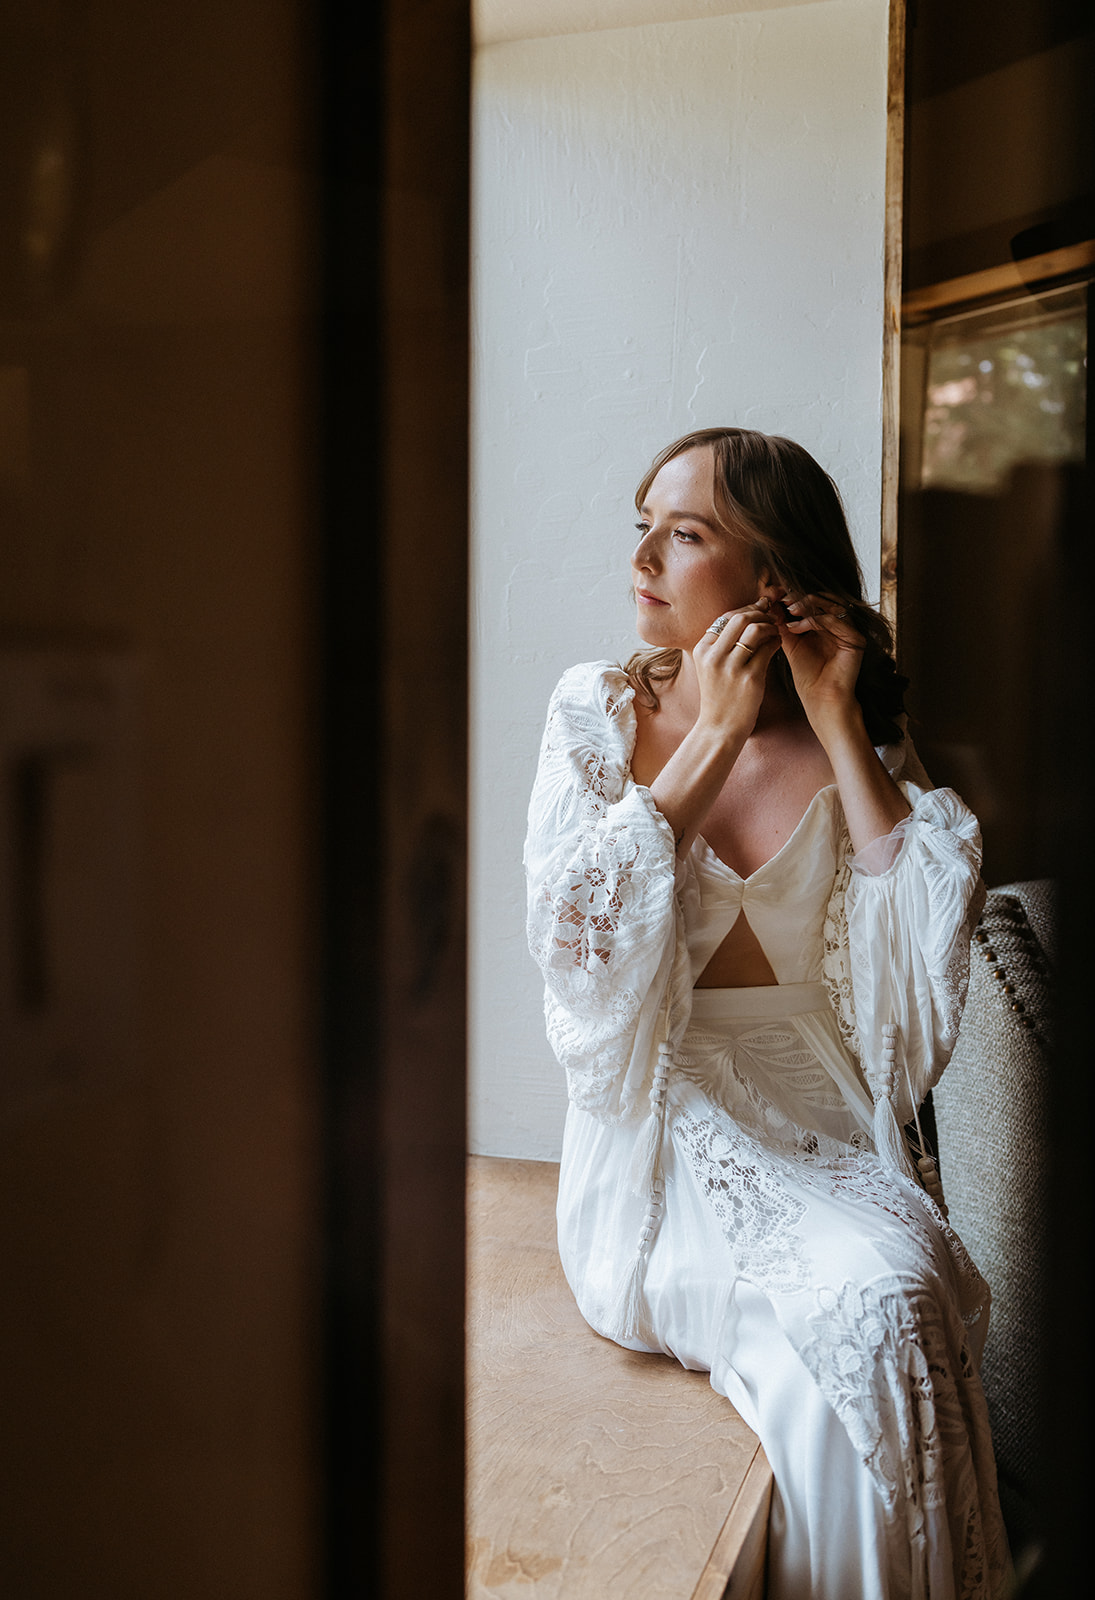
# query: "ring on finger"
745,647
718,625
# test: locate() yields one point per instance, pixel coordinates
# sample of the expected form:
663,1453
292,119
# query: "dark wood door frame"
392,95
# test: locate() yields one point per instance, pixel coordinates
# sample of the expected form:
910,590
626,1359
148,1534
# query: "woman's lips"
645,598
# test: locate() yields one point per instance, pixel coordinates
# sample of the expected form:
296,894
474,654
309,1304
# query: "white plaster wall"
675,226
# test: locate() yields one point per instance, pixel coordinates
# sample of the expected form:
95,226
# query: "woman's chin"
655,631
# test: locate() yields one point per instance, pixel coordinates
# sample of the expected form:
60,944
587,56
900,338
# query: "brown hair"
773,495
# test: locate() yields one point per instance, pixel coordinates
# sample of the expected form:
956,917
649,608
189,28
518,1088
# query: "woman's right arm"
730,669
600,869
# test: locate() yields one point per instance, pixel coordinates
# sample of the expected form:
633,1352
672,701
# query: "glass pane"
1004,386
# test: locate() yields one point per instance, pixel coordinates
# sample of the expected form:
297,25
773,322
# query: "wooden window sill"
593,1472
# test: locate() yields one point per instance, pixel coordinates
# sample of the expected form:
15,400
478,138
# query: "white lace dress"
734,1189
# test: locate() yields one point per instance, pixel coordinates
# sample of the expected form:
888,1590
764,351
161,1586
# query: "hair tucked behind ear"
773,495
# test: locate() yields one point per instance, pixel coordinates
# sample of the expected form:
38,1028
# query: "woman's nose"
644,554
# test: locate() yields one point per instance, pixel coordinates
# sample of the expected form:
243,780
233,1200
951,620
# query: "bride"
752,914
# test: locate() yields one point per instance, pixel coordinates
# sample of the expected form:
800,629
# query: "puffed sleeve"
911,903
600,868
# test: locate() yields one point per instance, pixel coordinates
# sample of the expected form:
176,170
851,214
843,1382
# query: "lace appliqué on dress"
770,1081
750,1198
897,1370
595,1071
614,871
860,1179
836,960
601,910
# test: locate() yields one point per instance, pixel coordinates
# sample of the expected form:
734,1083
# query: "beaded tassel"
645,1164
926,1164
933,1183
647,1180
633,1315
888,1137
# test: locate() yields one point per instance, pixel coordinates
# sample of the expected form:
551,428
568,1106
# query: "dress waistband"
764,1001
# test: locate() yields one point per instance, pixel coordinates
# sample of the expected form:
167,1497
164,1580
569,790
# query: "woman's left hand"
824,650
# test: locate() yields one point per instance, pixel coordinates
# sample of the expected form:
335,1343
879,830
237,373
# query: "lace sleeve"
909,930
599,863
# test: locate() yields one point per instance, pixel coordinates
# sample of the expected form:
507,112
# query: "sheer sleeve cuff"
882,853
909,923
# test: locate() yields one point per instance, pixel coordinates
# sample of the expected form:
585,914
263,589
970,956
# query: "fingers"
758,638
749,631
815,606
732,660
825,615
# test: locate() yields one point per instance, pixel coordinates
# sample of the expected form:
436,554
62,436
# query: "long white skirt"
826,1297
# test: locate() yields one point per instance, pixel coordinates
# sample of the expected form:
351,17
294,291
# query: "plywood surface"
593,1472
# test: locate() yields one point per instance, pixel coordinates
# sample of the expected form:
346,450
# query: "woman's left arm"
915,891
824,652
873,804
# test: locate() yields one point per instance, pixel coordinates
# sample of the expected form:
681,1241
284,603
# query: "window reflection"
1004,386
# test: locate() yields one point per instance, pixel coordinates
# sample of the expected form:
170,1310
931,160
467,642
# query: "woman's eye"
642,529
687,535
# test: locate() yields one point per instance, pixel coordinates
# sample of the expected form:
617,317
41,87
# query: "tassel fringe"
646,1162
632,1313
926,1164
888,1136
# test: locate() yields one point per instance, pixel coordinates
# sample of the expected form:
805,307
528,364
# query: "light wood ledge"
594,1473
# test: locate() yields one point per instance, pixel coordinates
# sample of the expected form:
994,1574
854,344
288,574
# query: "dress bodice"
784,900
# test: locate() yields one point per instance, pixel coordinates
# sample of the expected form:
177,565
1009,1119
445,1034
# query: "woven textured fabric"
991,1120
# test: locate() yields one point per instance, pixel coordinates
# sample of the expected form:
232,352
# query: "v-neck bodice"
784,900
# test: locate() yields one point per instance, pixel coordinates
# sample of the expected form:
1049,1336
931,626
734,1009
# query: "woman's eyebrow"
686,516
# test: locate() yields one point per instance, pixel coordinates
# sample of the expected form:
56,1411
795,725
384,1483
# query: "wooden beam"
392,105
1013,277
891,331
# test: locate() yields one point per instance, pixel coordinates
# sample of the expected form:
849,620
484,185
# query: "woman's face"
686,569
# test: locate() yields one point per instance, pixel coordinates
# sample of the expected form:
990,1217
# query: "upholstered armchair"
991,1121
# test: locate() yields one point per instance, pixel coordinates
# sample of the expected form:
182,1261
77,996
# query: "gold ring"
745,647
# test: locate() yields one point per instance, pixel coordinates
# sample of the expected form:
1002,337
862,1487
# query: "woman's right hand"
731,661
